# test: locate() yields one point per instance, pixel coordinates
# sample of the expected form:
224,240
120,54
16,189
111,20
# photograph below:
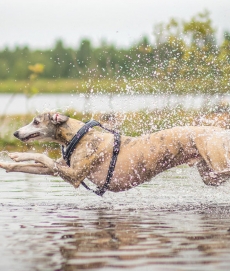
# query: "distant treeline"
184,50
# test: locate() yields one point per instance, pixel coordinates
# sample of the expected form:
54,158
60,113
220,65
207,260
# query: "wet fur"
139,160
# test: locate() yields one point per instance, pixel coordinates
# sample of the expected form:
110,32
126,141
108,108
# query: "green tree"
84,56
200,30
62,60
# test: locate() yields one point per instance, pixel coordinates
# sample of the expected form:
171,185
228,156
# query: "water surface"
174,222
19,104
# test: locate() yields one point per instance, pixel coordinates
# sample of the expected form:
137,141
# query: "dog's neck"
67,130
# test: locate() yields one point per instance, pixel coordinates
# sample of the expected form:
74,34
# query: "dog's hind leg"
210,177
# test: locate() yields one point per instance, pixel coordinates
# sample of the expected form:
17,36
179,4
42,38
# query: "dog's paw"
20,156
16,156
6,166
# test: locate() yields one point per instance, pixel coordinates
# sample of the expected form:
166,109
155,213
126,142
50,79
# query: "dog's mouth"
30,136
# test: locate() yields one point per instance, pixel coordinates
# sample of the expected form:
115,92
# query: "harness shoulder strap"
77,137
116,148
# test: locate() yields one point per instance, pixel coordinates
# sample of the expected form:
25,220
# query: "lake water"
19,104
174,222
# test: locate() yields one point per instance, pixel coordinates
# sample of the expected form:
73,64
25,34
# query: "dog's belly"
128,173
142,158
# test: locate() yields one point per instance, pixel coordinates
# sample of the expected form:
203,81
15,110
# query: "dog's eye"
36,122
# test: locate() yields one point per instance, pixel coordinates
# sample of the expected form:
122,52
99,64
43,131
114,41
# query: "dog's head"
42,128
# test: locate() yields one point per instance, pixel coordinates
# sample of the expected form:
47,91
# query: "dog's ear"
57,118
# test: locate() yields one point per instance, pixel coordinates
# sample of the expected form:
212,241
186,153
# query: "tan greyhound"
139,159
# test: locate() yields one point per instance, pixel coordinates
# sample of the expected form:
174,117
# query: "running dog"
139,159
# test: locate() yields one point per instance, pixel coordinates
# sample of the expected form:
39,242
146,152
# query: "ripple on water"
174,222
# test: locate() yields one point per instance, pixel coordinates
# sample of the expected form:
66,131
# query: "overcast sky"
39,23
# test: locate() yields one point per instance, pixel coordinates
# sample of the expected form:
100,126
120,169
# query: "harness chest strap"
116,148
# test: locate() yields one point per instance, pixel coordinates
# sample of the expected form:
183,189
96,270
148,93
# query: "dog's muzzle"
16,134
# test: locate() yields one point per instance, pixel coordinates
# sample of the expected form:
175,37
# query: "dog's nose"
16,134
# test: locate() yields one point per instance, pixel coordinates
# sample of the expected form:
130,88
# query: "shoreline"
114,86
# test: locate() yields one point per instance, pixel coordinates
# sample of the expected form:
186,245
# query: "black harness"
116,148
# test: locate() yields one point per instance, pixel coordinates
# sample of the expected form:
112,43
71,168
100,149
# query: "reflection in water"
173,223
132,241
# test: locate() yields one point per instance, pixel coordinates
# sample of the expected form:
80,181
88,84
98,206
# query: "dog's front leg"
26,168
78,171
73,176
37,157
70,175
